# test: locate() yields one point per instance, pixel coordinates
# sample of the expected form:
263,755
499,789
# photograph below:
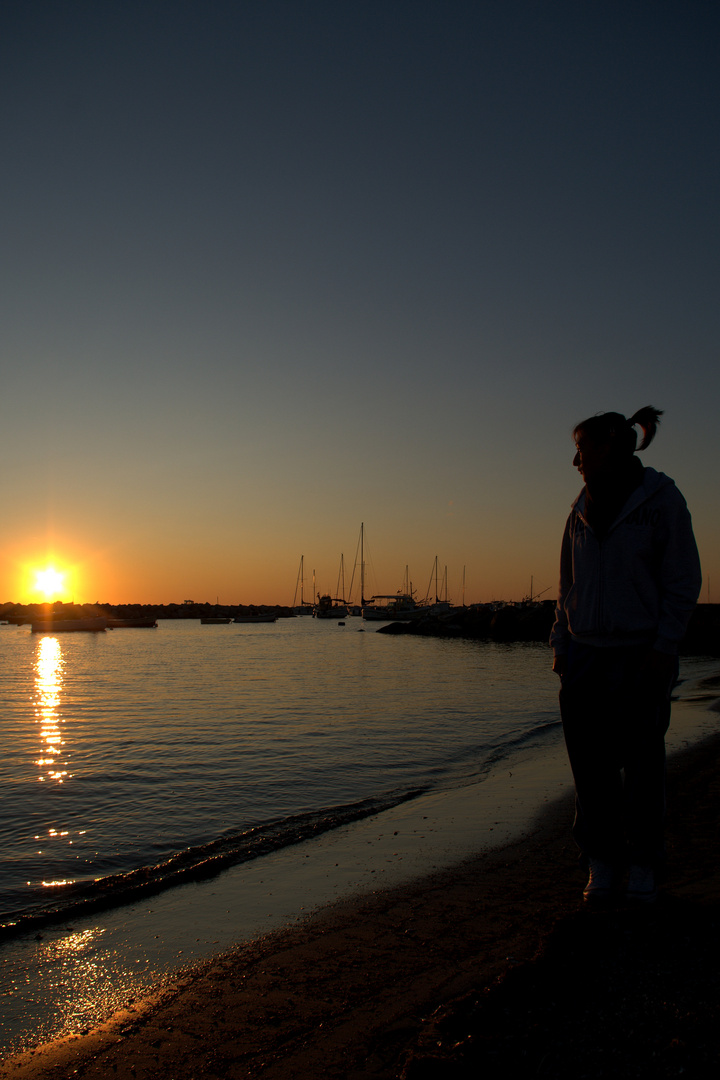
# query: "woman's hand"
559,664
659,670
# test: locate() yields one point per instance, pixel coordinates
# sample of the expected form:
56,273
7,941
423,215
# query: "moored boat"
333,607
398,607
55,626
142,621
329,608
305,607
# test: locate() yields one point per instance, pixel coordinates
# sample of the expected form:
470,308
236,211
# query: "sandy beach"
478,966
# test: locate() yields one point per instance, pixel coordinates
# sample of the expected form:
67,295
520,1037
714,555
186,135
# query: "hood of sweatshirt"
652,482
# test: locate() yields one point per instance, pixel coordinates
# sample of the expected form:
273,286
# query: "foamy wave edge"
193,864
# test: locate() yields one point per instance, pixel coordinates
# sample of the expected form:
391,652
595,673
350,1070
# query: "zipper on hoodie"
600,616
601,591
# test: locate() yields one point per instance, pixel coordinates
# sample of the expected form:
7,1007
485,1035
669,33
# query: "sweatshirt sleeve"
680,578
560,634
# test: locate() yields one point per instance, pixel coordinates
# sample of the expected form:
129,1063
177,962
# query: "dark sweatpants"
614,719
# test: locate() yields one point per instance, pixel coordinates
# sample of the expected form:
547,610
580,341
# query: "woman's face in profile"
591,458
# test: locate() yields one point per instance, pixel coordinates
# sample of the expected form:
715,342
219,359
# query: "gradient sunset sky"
270,269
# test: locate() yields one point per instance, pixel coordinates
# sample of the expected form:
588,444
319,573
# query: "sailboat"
353,607
305,607
398,607
333,607
438,607
384,607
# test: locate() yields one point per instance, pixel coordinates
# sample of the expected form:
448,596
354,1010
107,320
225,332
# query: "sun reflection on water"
74,981
52,761
48,685
75,943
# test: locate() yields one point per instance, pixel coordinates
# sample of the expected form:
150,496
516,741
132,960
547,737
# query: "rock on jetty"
532,621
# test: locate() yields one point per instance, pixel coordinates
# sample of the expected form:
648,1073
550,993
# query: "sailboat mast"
298,581
362,565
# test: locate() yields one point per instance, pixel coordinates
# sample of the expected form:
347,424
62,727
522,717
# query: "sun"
50,582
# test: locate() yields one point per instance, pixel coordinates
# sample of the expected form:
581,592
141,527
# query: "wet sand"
476,969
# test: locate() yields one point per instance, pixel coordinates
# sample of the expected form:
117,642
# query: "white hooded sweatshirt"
639,584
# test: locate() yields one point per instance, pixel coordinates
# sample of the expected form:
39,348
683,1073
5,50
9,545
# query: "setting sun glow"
49,582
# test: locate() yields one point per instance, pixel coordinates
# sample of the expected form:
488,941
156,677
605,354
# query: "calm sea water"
123,749
134,758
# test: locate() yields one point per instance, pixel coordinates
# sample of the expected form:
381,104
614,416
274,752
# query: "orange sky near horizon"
209,569
502,554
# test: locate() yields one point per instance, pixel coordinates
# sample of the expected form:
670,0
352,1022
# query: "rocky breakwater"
533,622
496,622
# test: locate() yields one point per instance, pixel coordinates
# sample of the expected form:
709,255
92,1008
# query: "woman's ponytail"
648,419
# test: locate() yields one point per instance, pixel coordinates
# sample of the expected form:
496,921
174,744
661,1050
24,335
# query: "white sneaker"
642,887
601,882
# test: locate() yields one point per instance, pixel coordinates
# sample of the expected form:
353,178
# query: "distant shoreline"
11,612
498,621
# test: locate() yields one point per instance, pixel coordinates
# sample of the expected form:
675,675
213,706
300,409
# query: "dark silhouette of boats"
58,626
333,607
396,607
305,607
139,622
329,607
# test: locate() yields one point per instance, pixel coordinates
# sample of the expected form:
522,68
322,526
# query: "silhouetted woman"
629,580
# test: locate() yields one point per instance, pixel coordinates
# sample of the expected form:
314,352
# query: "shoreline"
346,991
85,971
302,994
